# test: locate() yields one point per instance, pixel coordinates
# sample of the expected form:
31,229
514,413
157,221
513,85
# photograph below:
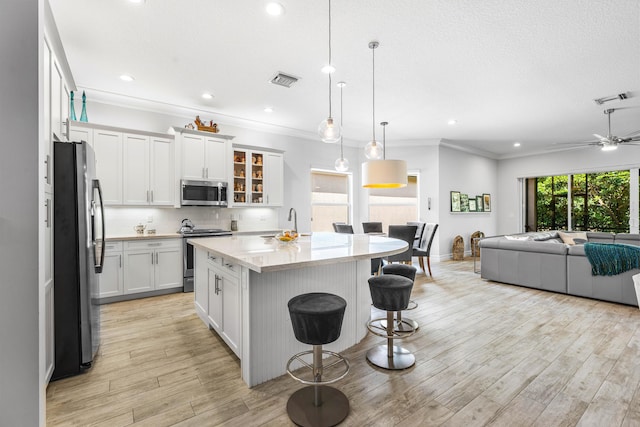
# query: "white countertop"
267,254
135,236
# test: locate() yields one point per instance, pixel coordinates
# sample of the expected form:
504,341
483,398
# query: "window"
330,199
394,205
598,202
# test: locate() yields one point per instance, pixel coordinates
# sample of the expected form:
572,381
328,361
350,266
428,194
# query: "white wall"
21,121
588,159
473,175
299,157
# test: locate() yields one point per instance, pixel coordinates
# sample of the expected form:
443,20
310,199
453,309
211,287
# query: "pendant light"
328,130
373,150
342,164
382,173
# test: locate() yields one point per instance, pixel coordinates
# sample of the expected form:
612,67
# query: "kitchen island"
243,284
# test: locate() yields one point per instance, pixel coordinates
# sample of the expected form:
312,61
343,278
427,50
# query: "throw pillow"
568,238
517,237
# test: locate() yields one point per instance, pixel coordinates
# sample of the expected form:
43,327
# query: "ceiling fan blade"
600,137
631,139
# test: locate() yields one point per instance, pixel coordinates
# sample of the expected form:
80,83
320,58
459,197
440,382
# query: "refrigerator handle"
96,185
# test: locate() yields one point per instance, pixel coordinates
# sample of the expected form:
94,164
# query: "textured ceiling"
506,70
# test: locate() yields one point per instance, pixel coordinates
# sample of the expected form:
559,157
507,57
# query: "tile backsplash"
121,220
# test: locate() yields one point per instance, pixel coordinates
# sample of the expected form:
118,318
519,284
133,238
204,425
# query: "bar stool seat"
317,320
402,324
391,293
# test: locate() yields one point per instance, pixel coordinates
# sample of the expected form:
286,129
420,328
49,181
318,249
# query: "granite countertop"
264,254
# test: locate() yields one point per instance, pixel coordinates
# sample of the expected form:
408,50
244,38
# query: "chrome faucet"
295,219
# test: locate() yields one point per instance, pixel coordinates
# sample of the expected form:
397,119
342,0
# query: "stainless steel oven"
187,252
203,193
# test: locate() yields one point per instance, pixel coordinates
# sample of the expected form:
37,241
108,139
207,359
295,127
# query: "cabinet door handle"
120,258
151,258
229,266
151,196
156,257
207,173
203,175
47,219
154,244
47,162
147,196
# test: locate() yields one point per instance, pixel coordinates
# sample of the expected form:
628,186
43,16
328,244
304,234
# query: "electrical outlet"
150,218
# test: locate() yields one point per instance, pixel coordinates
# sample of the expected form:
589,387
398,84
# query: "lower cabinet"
217,297
112,279
152,264
147,265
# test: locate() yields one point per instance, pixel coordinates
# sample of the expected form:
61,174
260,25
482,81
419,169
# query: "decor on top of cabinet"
72,108
213,127
83,115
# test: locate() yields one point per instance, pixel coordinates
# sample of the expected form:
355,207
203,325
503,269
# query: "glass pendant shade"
384,174
329,131
342,165
374,150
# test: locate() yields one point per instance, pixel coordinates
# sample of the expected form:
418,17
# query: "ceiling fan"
611,142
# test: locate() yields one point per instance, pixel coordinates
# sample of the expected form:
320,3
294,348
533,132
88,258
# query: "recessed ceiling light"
275,9
268,110
328,69
207,95
127,78
516,144
452,122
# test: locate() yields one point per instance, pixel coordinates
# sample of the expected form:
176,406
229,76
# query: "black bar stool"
403,324
391,293
317,319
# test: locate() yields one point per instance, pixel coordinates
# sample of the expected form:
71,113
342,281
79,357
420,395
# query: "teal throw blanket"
609,259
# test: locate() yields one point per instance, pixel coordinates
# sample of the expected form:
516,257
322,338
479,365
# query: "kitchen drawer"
223,266
113,246
152,244
214,259
230,269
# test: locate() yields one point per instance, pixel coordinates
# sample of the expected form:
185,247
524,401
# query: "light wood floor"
487,354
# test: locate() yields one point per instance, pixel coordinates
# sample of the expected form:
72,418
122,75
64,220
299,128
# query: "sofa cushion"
526,246
576,250
568,237
519,237
599,237
628,239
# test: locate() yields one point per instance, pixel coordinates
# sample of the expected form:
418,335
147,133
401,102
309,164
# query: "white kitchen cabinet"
162,171
224,314
108,153
201,285
274,179
152,264
218,297
204,157
49,330
111,280
77,134
148,170
257,177
136,170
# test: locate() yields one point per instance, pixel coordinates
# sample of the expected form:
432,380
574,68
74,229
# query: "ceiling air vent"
282,79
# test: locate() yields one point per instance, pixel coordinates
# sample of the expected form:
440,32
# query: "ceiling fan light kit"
329,131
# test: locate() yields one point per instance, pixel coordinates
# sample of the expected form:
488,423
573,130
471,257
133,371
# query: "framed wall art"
486,202
455,201
479,204
464,203
473,207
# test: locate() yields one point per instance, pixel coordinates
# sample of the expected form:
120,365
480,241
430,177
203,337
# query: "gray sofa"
545,262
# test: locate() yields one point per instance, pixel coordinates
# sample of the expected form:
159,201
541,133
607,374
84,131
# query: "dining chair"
343,228
406,233
371,227
419,232
424,250
335,229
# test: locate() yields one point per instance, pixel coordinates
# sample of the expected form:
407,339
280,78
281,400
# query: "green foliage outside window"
600,202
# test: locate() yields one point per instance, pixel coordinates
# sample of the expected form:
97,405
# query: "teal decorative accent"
83,115
72,108
609,259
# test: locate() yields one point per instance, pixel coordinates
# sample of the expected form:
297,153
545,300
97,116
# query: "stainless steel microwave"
203,193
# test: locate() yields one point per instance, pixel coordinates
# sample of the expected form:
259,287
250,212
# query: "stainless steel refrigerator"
78,239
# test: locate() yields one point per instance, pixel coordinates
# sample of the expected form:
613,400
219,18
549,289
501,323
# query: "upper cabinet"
204,155
257,177
134,168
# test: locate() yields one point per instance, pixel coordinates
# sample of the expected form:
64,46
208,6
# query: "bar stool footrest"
381,331
340,360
